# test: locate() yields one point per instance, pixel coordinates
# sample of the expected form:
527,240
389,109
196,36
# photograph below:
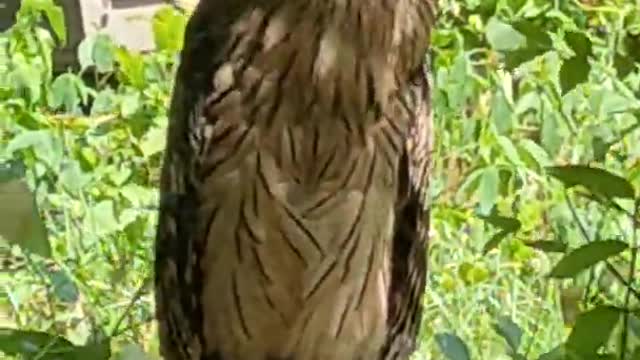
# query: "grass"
505,109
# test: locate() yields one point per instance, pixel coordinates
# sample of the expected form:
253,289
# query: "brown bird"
292,222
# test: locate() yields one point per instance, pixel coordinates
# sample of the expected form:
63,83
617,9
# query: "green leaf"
63,287
55,15
44,346
600,148
103,53
538,43
548,245
168,29
130,104
85,52
628,58
104,102
494,241
488,189
537,36
509,331
580,43
452,346
623,64
550,139
53,12
574,71
592,330
16,342
46,146
20,222
537,153
473,274
560,352
509,150
505,223
597,181
501,112
26,82
153,142
101,218
586,256
100,350
65,92
502,36
131,68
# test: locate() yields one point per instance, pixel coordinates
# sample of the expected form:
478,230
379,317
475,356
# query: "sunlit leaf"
85,52
101,218
131,68
535,152
168,29
501,112
54,14
130,104
473,274
509,150
502,36
550,138
586,256
153,142
488,189
65,93
103,53
45,144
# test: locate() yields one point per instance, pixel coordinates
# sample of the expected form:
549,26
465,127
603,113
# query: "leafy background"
533,251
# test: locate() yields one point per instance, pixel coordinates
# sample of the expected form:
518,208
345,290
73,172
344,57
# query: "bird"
293,215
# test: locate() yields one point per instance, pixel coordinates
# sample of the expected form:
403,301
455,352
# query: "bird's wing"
177,274
409,258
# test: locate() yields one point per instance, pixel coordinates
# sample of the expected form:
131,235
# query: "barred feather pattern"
292,222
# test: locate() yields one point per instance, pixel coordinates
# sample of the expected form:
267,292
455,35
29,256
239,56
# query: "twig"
136,296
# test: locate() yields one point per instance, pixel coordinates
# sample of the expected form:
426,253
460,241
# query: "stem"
632,268
136,296
608,264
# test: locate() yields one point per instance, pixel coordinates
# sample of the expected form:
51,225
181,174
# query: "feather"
293,223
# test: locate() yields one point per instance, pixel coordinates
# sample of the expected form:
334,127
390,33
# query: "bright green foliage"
533,249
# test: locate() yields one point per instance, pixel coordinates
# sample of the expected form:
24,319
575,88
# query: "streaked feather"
292,221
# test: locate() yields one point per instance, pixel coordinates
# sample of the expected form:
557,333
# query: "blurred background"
530,253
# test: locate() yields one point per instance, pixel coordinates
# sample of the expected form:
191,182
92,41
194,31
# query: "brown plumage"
292,223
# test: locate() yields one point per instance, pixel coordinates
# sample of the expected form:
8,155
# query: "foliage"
535,208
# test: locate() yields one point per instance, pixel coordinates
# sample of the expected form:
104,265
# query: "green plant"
534,201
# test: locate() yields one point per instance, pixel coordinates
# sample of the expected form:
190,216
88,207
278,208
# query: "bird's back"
283,178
